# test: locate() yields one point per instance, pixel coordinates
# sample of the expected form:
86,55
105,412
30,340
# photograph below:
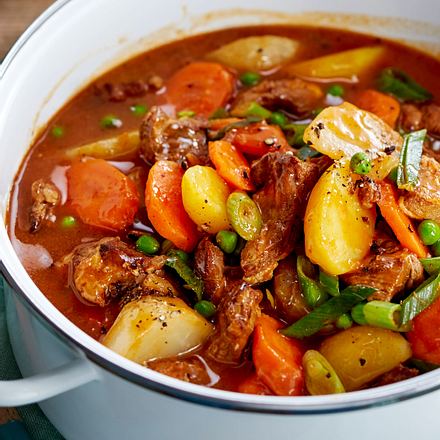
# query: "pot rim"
17,278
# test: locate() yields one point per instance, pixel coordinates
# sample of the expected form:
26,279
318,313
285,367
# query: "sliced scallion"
431,265
379,314
255,109
330,283
313,293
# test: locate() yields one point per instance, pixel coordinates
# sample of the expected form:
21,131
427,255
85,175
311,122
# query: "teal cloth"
36,423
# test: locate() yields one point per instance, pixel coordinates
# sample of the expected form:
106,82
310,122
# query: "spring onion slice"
423,366
295,138
421,298
330,283
431,265
328,312
402,86
409,162
255,109
381,314
313,293
193,282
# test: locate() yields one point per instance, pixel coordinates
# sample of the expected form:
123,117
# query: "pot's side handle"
45,385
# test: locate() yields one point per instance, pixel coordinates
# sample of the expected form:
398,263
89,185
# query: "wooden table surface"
15,17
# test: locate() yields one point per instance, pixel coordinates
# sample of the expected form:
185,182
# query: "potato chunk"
256,53
361,354
338,229
155,327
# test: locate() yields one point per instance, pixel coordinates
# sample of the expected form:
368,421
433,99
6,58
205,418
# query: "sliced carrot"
258,139
102,195
399,221
163,199
277,358
424,336
218,124
231,165
384,106
254,385
201,87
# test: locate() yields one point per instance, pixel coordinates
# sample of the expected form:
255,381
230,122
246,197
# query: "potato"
349,64
156,327
204,195
125,143
341,131
256,53
361,354
338,230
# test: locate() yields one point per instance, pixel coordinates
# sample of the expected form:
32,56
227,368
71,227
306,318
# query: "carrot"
253,385
218,124
201,87
231,165
277,359
399,221
102,195
384,106
424,336
258,139
163,199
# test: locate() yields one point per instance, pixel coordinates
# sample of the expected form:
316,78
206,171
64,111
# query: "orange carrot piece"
399,221
102,195
254,385
277,358
231,165
384,106
218,124
163,199
424,336
201,87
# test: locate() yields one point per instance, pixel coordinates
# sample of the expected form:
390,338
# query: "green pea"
336,90
278,118
360,163
147,244
186,114
68,222
206,308
111,121
250,78
57,131
344,321
227,240
244,215
393,175
429,232
139,109
435,249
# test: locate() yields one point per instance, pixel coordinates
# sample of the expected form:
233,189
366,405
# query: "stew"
254,209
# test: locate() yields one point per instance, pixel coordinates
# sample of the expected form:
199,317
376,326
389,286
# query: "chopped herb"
57,131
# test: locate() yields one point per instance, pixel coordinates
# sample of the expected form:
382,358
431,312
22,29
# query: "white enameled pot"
88,391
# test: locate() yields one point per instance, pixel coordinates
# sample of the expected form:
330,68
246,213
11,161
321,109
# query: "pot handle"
42,386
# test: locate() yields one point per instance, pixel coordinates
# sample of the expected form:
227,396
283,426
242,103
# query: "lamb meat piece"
411,117
431,119
293,95
102,270
424,201
285,183
290,303
119,92
45,196
395,375
390,269
368,192
236,318
209,265
181,140
190,369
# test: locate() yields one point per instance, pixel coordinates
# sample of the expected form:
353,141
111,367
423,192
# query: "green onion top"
186,114
147,244
206,308
313,293
278,118
220,113
255,109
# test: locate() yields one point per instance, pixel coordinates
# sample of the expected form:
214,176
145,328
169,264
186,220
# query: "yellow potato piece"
338,230
156,327
361,354
256,53
343,130
348,65
204,195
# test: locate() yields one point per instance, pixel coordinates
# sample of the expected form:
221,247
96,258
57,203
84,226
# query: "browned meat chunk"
415,118
289,299
210,267
45,196
390,270
285,184
182,140
424,201
395,375
293,95
119,92
190,369
109,268
236,318
411,117
368,192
